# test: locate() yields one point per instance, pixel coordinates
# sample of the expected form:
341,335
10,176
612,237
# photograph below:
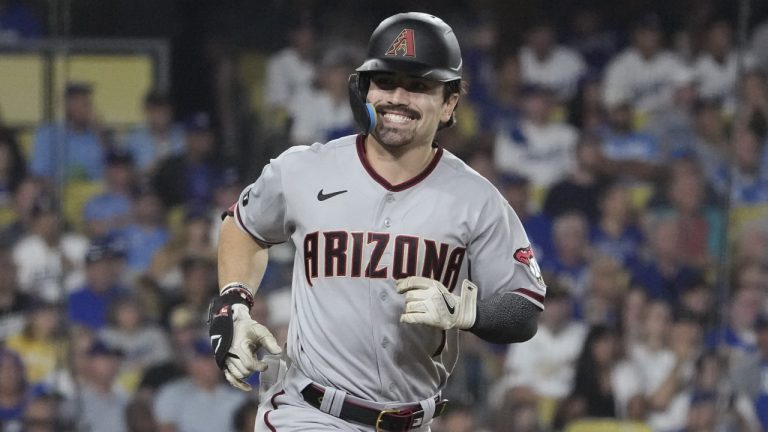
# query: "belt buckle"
380,417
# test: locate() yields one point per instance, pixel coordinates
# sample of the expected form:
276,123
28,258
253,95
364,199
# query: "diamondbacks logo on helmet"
403,45
525,256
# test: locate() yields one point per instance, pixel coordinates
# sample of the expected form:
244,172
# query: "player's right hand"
235,338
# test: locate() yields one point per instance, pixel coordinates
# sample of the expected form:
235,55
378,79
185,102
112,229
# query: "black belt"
392,420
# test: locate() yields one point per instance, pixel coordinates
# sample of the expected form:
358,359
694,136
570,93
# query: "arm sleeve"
506,318
261,209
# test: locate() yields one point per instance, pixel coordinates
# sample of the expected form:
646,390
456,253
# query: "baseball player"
399,247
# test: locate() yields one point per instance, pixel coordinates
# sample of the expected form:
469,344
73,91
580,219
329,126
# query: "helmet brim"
410,68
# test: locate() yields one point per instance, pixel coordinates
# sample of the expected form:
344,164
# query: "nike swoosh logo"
322,197
451,309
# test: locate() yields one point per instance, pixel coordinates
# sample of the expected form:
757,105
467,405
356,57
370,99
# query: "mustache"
399,109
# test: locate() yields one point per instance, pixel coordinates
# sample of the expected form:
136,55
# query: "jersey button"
383,295
390,198
384,343
387,222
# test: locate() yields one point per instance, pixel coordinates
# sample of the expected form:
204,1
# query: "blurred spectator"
714,403
633,311
538,226
749,180
188,178
753,99
26,194
699,224
17,21
580,190
192,239
604,382
459,419
756,375
711,148
481,62
110,211
617,234
75,146
642,74
673,126
662,271
147,234
541,371
665,358
143,344
159,137
622,143
547,64
751,242
41,344
716,68
738,336
14,304
500,109
607,284
200,401
102,405
759,44
49,260
569,259
539,148
89,304
13,167
588,37
198,284
697,300
586,111
290,71
321,112
14,390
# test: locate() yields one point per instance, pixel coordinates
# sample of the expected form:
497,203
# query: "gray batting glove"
428,302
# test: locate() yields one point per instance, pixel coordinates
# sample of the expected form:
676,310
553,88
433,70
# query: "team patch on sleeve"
525,256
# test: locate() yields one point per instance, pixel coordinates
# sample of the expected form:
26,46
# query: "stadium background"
644,190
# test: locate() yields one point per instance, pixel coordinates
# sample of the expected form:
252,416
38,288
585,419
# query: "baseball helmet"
413,43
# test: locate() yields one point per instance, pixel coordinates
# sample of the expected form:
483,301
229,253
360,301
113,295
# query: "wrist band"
240,290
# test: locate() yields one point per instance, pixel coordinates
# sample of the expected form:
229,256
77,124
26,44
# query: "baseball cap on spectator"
101,348
198,122
77,88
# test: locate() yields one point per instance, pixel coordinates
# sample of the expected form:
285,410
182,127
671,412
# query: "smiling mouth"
398,116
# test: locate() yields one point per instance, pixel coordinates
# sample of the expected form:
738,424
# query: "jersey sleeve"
500,255
261,209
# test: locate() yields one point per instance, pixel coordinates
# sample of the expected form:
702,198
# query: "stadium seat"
606,425
21,89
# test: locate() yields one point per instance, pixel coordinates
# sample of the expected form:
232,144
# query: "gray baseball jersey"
355,234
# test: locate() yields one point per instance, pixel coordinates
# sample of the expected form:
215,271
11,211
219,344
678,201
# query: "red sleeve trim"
532,294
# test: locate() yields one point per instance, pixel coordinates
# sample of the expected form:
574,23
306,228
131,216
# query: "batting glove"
428,302
235,336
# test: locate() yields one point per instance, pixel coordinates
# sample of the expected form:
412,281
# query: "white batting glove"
247,337
428,302
235,336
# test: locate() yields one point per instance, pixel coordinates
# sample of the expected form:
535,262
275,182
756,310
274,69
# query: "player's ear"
448,107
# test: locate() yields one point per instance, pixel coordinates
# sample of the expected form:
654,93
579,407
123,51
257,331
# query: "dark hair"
18,165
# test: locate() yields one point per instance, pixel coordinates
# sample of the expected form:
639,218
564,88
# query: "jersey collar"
382,181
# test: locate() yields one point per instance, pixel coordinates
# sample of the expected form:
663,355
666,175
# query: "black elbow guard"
506,318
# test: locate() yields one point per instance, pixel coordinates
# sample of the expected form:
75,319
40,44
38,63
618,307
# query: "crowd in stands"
636,159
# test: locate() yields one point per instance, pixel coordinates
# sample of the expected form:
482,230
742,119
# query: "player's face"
409,109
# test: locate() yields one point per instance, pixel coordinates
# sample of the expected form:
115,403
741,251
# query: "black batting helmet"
414,43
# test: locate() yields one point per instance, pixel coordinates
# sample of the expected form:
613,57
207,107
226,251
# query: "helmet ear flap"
362,110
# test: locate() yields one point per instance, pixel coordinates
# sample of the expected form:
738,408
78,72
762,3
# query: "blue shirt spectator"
158,138
623,247
74,146
141,244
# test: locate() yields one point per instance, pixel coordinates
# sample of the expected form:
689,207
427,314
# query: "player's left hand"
428,302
